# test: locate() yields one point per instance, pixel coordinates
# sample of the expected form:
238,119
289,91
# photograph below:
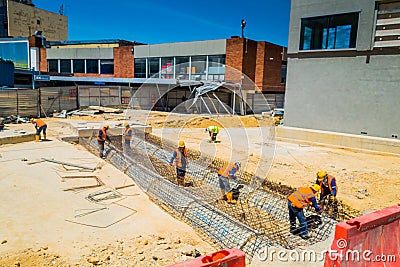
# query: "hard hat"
32,119
237,163
106,126
126,124
315,187
181,144
321,175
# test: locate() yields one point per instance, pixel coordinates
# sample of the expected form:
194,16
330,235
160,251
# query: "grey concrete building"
344,67
20,18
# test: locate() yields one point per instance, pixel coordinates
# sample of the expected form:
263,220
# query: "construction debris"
69,164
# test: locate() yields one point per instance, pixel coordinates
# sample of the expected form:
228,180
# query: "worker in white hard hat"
226,173
297,201
127,137
102,137
179,159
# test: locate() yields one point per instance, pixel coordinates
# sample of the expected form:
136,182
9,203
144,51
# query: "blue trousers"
299,214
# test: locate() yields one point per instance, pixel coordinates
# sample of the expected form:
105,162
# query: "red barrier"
227,258
369,240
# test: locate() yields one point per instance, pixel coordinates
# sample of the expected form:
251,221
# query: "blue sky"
156,21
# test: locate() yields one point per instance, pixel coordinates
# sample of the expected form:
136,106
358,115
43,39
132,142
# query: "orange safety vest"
301,197
178,158
39,123
128,137
226,170
330,178
104,135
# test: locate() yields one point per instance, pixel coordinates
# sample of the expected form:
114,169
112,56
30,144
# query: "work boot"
44,137
37,137
305,237
229,197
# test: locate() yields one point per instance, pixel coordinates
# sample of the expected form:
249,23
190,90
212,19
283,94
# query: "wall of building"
123,62
80,53
210,47
24,20
268,68
345,95
348,90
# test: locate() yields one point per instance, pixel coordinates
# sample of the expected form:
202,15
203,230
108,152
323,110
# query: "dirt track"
34,206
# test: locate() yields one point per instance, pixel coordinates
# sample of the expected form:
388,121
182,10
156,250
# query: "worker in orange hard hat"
179,159
102,137
298,200
127,137
40,126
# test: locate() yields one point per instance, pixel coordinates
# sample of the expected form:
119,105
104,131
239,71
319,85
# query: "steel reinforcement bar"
259,218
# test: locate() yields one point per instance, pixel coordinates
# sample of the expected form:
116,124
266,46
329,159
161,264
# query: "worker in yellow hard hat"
40,126
180,160
127,137
297,201
225,174
102,137
328,185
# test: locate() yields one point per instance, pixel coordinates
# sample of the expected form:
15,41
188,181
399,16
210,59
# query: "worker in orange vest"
226,173
328,185
40,126
127,136
298,200
102,137
179,159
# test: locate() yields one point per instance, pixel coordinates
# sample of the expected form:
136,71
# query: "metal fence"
36,103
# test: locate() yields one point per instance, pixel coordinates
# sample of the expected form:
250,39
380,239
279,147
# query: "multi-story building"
20,18
343,67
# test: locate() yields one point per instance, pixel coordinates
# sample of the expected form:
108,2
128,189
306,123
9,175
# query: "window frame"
329,26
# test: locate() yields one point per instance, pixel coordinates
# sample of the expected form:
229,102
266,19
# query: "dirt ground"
42,223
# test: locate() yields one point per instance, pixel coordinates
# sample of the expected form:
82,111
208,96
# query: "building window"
79,65
38,22
65,65
167,68
92,66
107,66
199,67
154,67
52,65
182,68
216,67
140,68
329,32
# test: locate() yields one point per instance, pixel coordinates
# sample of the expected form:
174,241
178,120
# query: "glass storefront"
185,67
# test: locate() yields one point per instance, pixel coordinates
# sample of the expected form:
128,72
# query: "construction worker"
102,137
213,131
328,186
127,136
179,159
40,126
224,174
297,201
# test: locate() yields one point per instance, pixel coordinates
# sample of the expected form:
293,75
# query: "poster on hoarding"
16,51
